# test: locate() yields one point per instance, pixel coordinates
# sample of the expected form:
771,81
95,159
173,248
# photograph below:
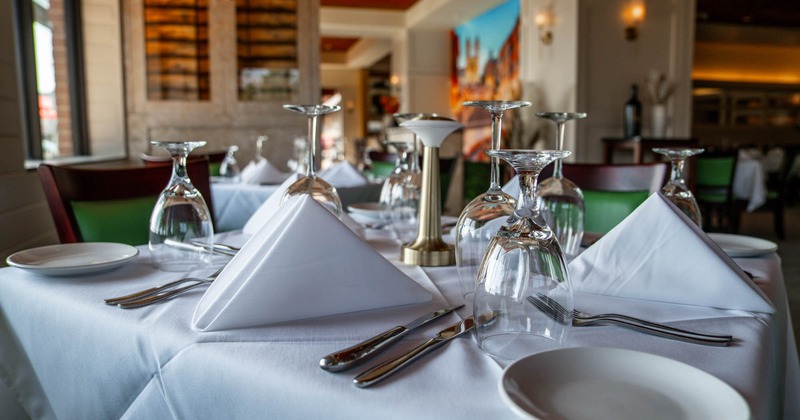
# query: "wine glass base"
508,347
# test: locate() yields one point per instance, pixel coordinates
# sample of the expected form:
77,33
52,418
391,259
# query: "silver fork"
554,310
155,290
164,296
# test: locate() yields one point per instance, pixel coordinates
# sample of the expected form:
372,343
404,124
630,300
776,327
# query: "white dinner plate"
607,383
743,246
72,259
371,210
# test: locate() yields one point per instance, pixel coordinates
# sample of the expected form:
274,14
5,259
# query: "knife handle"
356,354
383,370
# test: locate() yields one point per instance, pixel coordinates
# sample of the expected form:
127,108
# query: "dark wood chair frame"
64,184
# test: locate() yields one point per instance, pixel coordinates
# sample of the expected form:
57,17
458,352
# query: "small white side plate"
607,383
73,259
743,246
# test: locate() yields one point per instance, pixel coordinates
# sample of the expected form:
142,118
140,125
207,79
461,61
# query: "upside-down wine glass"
311,184
229,168
402,165
260,140
676,189
562,200
524,259
181,230
481,218
401,191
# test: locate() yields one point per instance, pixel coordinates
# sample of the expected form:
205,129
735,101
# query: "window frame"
29,96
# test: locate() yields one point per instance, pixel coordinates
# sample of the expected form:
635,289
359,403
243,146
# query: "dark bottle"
632,115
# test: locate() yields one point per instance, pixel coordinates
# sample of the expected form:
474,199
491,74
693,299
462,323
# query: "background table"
67,355
235,203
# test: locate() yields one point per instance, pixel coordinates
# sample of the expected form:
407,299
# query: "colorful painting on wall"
485,66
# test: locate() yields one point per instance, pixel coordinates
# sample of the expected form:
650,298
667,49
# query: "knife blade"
374,375
362,351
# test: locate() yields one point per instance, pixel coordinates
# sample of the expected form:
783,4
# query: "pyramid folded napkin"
269,207
263,172
657,253
303,264
343,175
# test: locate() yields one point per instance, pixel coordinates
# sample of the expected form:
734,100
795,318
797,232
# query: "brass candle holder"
428,249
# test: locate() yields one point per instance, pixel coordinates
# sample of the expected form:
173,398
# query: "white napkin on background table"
303,264
657,253
269,207
263,172
343,175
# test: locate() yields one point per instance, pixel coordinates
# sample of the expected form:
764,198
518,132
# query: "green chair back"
476,179
714,177
213,168
381,169
126,221
605,209
715,171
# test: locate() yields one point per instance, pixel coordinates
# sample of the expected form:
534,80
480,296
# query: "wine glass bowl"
181,230
676,190
311,184
524,258
483,215
562,200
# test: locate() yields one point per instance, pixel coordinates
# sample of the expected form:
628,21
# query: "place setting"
524,310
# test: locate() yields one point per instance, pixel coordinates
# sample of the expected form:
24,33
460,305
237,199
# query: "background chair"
214,160
111,204
779,190
612,191
383,164
714,190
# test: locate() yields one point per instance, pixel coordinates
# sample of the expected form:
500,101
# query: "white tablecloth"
235,203
66,355
750,182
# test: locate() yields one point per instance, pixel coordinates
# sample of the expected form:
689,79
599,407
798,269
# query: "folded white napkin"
263,172
268,208
304,264
658,254
343,175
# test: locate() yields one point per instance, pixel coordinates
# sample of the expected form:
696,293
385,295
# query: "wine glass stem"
528,180
414,165
557,165
676,171
497,128
178,166
312,146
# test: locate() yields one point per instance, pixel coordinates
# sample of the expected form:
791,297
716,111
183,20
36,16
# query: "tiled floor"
759,224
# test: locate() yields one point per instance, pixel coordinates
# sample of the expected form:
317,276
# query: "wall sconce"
633,15
544,22
394,84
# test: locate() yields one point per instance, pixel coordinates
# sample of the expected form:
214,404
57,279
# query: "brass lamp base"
428,257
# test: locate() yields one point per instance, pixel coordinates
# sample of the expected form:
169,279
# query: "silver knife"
356,354
383,370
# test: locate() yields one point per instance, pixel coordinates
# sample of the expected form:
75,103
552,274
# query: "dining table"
65,354
235,203
750,181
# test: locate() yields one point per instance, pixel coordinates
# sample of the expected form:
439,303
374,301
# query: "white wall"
608,64
105,101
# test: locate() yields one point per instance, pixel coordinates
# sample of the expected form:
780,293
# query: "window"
53,97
